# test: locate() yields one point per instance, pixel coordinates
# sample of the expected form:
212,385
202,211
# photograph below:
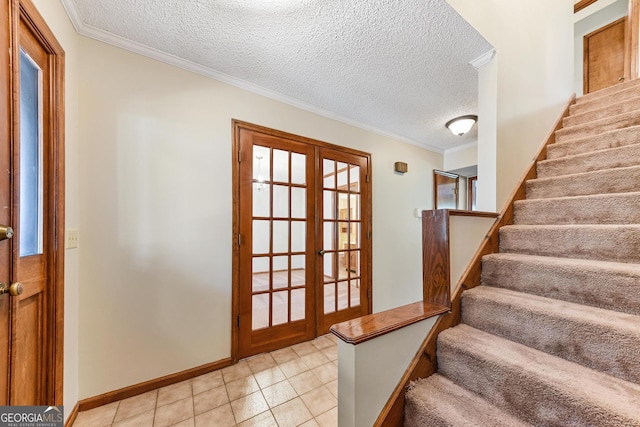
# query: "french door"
303,248
31,209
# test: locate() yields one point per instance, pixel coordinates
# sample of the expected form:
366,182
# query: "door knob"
6,232
14,289
621,79
321,252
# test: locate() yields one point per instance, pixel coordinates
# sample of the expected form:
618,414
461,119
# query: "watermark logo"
31,416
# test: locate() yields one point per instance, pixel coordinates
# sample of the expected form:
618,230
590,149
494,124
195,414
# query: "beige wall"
155,203
56,18
461,157
533,69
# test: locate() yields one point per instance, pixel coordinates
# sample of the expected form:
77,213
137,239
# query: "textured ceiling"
399,67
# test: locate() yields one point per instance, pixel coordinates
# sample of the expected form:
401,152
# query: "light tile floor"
294,386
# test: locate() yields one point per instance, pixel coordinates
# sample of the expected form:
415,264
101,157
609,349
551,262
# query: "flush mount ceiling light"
461,125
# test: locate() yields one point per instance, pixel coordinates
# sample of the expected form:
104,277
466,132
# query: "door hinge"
367,178
239,239
239,156
368,235
238,320
369,293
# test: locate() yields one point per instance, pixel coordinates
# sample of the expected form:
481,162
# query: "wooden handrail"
364,328
582,4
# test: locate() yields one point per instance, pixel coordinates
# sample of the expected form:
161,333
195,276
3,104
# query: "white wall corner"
483,59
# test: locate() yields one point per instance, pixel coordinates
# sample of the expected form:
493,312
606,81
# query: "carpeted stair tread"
611,158
618,208
552,337
611,139
604,242
582,106
596,127
615,91
603,111
438,402
603,284
603,340
534,386
618,180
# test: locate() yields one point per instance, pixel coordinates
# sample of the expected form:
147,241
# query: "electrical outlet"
73,236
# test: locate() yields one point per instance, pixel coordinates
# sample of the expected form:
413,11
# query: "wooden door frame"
632,39
470,194
627,51
24,11
236,127
632,36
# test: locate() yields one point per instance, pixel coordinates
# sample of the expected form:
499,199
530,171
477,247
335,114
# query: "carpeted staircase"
552,337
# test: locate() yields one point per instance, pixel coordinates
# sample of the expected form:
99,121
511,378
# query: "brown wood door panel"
344,208
604,56
263,290
256,338
31,324
5,190
445,190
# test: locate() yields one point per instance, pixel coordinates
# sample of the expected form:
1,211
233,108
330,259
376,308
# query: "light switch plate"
73,237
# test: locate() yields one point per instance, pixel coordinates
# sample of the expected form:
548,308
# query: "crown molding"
71,8
106,37
483,59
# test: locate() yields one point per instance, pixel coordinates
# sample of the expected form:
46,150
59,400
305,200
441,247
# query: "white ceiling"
400,67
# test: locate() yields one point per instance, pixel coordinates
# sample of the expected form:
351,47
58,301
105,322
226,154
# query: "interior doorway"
302,224
605,50
32,201
445,189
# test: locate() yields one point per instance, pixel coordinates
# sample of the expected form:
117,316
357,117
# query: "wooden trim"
448,174
235,241
633,31
357,331
24,11
470,194
72,416
436,275
478,214
582,4
238,124
134,390
425,363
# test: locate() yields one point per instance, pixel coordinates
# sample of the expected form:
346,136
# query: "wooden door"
279,285
604,56
31,193
277,246
445,190
344,238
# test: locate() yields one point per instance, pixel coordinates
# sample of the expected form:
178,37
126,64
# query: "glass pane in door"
341,225
279,236
30,230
